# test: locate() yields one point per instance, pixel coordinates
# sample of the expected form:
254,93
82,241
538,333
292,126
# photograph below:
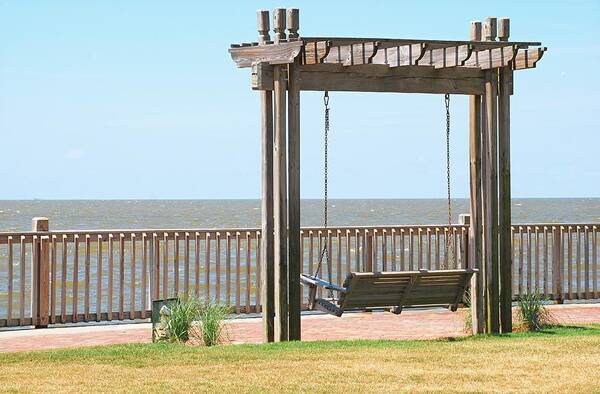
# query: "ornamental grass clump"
212,323
177,321
533,313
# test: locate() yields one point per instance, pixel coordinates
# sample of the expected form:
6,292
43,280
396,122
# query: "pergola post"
266,250
295,249
504,215
475,230
280,189
491,206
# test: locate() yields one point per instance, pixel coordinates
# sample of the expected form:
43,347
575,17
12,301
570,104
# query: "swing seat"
391,290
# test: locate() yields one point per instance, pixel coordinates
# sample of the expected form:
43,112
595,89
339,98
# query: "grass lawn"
560,359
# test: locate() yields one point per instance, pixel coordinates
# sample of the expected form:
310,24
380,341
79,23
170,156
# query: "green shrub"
533,313
177,321
212,317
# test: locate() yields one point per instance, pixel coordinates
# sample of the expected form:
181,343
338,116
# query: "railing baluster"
207,267
238,273
132,278
428,248
394,262
87,267
248,272
348,254
357,249
546,293
521,262
586,256
186,265
53,269
595,261
569,263
121,276
578,262
111,271
339,255
176,264
402,263
75,276
257,271
197,264
144,278
228,268
165,267
218,268
537,258
99,279
384,250
10,278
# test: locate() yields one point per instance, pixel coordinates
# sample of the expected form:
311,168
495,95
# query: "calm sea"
129,214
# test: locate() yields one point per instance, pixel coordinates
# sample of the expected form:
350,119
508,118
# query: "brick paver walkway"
412,324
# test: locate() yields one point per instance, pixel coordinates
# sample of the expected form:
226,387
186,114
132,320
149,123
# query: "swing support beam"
481,68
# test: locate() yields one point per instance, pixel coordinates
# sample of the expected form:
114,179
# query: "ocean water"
138,214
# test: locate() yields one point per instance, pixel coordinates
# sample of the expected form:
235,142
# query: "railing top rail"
255,232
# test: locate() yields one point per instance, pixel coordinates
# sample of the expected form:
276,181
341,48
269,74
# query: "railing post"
40,261
369,252
556,263
464,219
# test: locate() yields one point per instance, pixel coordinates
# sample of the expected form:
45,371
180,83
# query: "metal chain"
450,238
325,251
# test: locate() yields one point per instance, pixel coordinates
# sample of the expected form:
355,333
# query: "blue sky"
140,99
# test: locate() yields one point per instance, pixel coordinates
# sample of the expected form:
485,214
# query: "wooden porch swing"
390,290
481,68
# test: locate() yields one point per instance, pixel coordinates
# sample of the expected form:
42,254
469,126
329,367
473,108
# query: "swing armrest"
313,281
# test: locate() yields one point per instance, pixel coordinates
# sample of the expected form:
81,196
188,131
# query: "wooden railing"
74,276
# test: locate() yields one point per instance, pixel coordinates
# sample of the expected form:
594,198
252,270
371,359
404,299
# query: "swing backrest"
410,288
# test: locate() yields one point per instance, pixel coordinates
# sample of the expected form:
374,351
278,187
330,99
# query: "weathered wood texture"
548,273
280,206
504,204
380,78
295,249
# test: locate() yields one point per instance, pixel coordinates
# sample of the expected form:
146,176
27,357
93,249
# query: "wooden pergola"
481,67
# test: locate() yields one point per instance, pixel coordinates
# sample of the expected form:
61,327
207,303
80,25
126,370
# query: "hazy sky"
140,99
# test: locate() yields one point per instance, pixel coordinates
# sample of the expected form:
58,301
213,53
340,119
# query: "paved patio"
412,324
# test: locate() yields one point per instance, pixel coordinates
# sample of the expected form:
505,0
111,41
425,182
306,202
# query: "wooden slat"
10,278
132,276
99,277
76,278
53,275
121,276
196,264
87,277
228,268
282,53
248,270
381,78
238,272
218,268
144,279
165,267
176,264
207,268
569,263
111,271
528,58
